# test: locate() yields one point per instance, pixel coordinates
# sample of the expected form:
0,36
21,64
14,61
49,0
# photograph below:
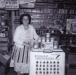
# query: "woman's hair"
21,18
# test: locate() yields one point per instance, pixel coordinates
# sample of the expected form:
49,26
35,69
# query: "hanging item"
71,26
14,4
2,4
27,3
11,4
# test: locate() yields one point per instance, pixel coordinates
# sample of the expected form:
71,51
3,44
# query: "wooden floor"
10,72
6,70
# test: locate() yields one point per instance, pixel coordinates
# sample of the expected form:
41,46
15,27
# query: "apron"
20,59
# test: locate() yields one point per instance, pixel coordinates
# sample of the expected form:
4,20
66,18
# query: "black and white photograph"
37,37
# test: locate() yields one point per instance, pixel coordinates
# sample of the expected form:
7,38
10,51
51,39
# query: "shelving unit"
4,38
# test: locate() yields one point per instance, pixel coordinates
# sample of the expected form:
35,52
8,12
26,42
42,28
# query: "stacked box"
3,44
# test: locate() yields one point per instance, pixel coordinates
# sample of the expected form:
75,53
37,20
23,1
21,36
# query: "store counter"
47,62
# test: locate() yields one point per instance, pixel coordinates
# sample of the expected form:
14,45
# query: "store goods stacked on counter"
48,42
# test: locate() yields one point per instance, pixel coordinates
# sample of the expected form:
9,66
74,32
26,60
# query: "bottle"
47,37
43,39
39,43
55,44
51,43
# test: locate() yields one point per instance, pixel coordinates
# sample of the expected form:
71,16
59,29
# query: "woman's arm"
35,35
16,37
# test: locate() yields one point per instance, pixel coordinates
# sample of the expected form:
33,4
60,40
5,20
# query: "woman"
24,38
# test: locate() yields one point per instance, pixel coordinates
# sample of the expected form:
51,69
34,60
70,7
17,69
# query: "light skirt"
20,59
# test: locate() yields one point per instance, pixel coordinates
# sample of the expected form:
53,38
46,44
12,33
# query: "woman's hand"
26,44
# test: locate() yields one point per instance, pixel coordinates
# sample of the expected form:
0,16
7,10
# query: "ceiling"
61,3
58,1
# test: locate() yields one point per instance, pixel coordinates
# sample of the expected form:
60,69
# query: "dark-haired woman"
24,38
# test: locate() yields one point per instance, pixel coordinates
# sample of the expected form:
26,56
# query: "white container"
47,35
47,39
55,44
43,39
52,40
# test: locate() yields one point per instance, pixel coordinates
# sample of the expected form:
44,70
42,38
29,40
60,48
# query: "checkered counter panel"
47,63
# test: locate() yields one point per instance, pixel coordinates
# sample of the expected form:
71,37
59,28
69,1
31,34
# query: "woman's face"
25,20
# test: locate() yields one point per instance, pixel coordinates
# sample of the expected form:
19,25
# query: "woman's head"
25,19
